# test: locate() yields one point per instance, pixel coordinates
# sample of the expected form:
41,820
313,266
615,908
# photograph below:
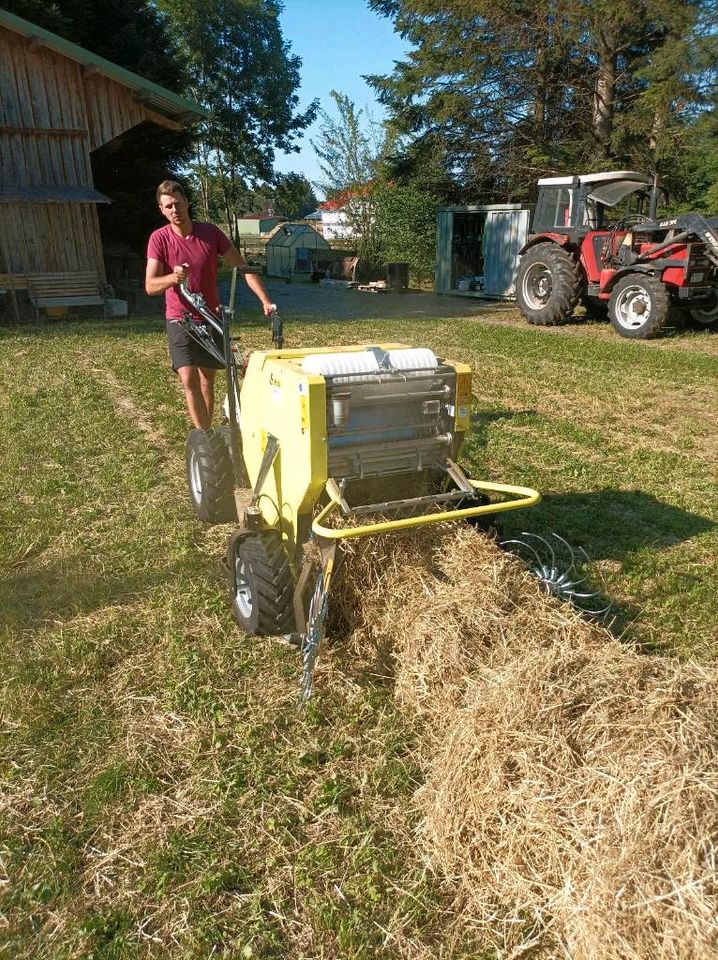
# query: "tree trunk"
604,93
203,176
226,201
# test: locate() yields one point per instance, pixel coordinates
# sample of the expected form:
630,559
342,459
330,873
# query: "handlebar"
196,302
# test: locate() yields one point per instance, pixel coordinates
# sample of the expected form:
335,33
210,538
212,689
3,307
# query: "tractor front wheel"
261,584
640,306
210,478
707,314
548,284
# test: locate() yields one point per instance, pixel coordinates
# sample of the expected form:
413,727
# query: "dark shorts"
186,352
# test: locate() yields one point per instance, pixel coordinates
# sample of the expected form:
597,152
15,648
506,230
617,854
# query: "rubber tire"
563,277
652,293
266,605
210,479
225,432
705,318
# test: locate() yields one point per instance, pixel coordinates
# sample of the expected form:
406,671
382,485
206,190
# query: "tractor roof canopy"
606,188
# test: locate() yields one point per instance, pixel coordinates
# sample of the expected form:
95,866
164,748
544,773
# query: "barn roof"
156,98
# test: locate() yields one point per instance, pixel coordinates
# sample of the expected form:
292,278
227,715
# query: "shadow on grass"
611,524
71,587
481,422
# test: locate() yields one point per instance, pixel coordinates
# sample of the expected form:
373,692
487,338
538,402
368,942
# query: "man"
185,249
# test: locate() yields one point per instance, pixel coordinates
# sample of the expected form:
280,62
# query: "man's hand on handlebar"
180,273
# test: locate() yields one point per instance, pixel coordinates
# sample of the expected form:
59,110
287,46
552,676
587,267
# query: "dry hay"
570,793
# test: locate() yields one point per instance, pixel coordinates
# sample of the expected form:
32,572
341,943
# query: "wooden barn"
59,103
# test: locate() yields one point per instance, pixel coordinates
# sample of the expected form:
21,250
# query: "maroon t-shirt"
200,250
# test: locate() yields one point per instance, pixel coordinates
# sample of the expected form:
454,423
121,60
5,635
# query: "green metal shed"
477,248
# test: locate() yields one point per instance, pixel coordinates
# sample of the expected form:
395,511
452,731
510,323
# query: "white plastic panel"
365,361
336,364
413,358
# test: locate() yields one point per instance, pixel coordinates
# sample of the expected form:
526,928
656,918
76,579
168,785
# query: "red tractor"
596,242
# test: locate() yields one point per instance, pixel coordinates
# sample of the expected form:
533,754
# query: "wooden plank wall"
43,132
111,109
53,113
50,238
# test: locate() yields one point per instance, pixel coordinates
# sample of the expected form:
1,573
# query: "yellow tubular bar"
526,498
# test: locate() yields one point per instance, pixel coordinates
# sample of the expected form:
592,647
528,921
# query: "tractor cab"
593,201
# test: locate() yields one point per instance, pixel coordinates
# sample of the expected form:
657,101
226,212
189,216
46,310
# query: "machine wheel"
210,477
261,584
548,284
225,432
639,306
707,314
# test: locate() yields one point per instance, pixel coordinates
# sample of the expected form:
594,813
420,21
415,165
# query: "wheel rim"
708,314
633,307
195,477
537,285
243,595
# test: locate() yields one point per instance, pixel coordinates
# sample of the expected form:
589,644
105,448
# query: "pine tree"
508,92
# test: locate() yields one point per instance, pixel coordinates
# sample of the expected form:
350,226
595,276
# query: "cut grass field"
161,793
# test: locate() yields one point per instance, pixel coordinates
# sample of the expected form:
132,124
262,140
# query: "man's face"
175,208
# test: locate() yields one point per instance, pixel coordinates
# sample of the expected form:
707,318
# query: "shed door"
504,235
444,241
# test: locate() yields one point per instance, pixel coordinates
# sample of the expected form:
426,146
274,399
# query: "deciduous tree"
293,196
242,71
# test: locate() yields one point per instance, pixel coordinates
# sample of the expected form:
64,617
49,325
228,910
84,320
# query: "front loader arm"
694,223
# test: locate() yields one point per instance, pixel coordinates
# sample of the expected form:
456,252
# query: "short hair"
168,187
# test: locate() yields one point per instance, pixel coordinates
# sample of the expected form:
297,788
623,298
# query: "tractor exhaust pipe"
653,202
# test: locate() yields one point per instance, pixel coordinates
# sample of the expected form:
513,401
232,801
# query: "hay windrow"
571,783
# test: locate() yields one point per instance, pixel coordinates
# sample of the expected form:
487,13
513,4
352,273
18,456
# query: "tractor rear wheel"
707,314
548,284
261,584
210,478
640,306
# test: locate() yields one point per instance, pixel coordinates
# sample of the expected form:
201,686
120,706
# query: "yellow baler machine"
333,444
319,429
348,423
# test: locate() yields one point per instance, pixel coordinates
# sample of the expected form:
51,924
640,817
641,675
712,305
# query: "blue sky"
338,41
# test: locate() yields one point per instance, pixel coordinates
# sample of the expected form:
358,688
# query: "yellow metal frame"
526,497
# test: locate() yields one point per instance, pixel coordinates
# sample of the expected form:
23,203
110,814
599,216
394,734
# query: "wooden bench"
65,290
12,281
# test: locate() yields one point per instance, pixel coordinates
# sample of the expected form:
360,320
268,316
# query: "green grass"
161,793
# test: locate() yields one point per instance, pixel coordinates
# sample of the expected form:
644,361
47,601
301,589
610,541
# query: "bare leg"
196,405
206,382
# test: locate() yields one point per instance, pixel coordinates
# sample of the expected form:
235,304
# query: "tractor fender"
624,271
560,238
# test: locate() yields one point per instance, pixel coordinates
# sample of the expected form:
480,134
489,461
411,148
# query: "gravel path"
328,303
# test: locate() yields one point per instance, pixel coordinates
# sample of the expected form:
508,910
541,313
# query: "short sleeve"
223,242
155,247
